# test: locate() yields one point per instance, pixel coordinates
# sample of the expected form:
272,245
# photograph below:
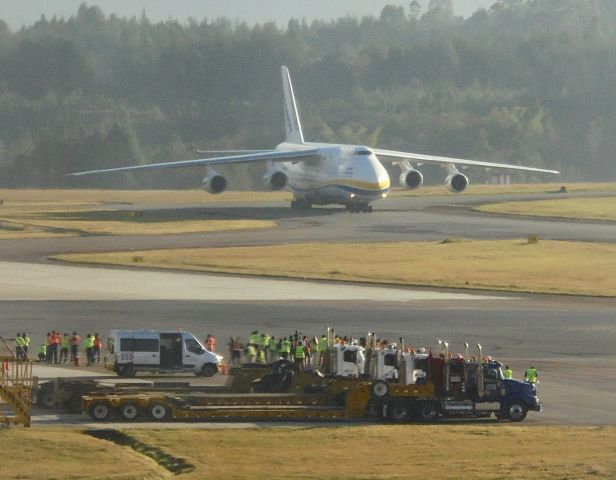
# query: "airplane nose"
381,177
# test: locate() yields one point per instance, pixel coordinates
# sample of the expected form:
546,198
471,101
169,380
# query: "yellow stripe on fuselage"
376,187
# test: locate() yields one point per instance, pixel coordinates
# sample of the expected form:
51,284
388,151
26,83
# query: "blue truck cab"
515,398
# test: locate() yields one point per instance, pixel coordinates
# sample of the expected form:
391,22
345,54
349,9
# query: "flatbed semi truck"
449,387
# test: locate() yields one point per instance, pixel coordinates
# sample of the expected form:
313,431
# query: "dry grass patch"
51,453
448,451
603,208
510,265
134,196
386,451
39,213
523,188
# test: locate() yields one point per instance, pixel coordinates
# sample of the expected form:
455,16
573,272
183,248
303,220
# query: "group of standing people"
262,348
62,348
530,375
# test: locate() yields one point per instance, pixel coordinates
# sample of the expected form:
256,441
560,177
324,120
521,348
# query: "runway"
29,281
571,340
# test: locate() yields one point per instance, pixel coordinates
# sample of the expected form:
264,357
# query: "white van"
132,351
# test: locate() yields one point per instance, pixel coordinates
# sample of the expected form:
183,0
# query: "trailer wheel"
100,410
399,411
380,389
516,411
46,398
129,411
74,403
158,411
209,369
428,412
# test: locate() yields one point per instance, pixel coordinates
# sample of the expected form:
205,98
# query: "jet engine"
275,180
411,179
214,183
456,182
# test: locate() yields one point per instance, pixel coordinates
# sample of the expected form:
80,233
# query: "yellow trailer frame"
161,406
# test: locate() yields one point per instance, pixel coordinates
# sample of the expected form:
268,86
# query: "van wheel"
100,411
126,371
129,411
158,411
209,369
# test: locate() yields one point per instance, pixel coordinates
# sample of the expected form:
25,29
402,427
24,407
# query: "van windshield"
193,346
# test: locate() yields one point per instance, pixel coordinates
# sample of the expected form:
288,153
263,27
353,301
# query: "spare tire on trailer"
380,389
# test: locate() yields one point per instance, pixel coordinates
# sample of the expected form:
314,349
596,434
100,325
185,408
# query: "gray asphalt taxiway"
571,340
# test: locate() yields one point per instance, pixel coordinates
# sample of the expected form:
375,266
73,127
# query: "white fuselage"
339,174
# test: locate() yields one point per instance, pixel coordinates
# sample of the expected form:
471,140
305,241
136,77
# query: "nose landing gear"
358,207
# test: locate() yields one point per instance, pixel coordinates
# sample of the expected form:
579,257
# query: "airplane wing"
277,155
455,161
229,152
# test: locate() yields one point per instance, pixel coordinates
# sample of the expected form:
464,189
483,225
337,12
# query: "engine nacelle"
214,183
456,182
275,180
411,179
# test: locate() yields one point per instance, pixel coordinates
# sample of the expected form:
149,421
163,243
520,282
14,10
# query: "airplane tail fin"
291,118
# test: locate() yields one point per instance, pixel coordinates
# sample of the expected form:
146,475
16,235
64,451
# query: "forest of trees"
526,81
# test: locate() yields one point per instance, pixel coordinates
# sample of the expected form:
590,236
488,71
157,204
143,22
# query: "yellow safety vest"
508,373
299,351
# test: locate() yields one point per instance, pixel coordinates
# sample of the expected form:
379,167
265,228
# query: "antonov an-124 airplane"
325,173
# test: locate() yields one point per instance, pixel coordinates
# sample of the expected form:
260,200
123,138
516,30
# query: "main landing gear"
359,207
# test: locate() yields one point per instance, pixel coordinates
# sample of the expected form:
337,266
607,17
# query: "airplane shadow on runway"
192,213
236,213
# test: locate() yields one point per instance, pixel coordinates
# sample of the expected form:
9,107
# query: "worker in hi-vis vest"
531,375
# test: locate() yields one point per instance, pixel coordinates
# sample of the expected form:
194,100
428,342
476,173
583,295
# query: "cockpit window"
362,151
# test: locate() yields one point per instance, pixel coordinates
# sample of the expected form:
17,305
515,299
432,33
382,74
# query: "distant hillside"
524,82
